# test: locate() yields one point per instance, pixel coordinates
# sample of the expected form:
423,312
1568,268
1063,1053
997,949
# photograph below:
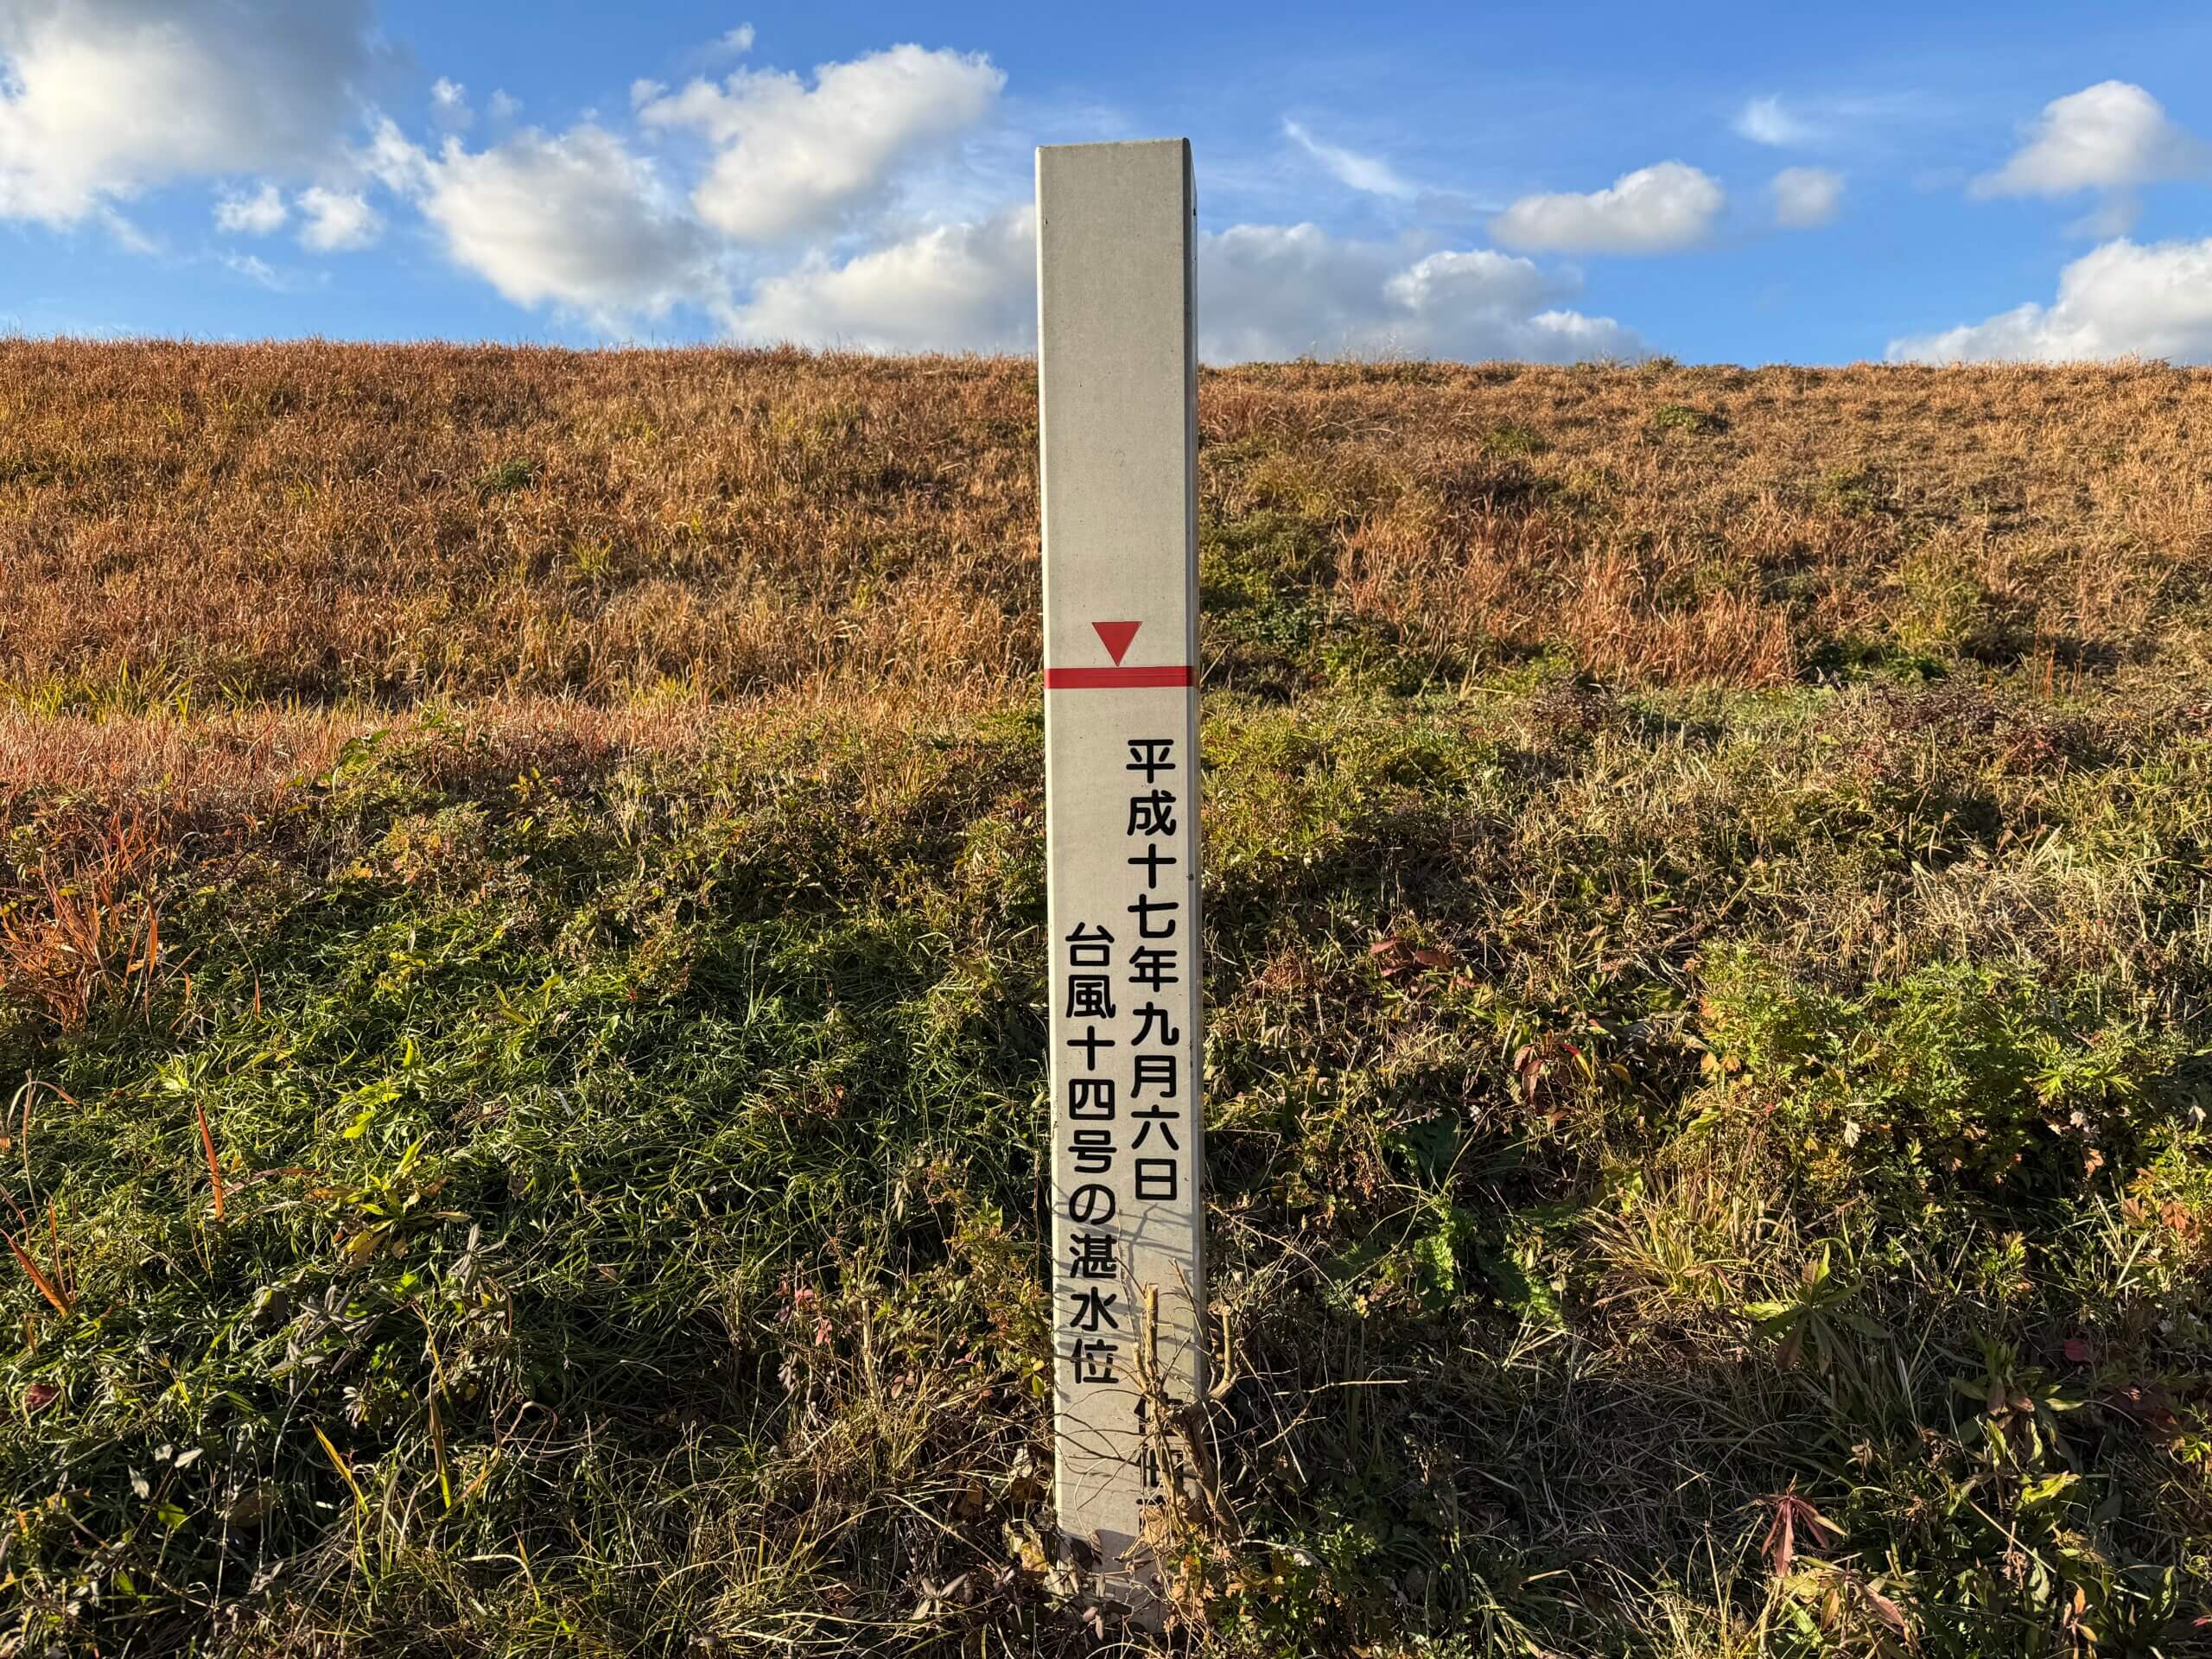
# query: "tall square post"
1118,394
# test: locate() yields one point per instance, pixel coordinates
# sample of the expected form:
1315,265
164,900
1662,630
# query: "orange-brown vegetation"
203,525
523,942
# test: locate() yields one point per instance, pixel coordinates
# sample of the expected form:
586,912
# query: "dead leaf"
1792,1512
1889,1613
1022,1487
1527,1067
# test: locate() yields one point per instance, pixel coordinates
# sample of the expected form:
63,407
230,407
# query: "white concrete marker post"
1118,391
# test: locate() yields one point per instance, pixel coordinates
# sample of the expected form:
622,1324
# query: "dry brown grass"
183,524
89,929
521,891
220,764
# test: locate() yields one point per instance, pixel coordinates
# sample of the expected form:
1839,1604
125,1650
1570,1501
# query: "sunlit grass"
1707,963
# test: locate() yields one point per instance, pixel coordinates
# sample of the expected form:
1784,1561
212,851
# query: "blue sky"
1717,182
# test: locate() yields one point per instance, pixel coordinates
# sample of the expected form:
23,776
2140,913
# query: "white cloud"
1294,291
101,99
1805,197
2123,299
257,214
1348,167
1831,118
1764,121
394,160
258,270
449,105
1265,291
1658,209
575,220
954,288
1274,292
337,221
737,43
503,105
791,159
2113,136
128,236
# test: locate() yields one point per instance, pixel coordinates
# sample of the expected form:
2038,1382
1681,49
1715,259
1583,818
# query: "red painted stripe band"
1100,679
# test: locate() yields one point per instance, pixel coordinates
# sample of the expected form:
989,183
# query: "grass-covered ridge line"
217,527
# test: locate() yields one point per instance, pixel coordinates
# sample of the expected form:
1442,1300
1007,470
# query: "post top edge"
1116,143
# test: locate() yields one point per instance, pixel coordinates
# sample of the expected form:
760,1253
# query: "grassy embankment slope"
1709,962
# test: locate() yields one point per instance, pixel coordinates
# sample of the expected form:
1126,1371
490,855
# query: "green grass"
1624,1111
517,473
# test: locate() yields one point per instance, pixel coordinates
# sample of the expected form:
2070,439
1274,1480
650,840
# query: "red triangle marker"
1115,636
